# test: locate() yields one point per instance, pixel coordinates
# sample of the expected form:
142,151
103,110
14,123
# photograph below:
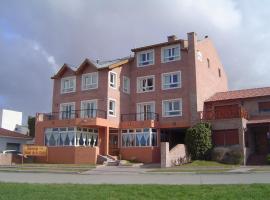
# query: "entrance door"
113,143
145,111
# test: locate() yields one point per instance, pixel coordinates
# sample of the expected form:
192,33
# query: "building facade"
9,119
126,107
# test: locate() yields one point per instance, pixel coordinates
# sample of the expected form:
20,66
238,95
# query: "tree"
198,141
31,125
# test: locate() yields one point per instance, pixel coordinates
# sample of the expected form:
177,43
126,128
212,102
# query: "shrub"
198,141
268,159
228,155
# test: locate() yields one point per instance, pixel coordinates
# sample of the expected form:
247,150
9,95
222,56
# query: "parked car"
14,152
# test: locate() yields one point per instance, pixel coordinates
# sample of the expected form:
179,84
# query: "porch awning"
259,121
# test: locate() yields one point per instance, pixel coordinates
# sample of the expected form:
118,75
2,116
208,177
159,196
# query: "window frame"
172,100
61,111
139,79
109,80
114,114
171,73
84,83
145,52
69,78
95,101
128,87
175,58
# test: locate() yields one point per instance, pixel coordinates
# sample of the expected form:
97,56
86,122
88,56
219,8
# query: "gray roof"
100,64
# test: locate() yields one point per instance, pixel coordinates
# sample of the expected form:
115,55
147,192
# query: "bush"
268,159
228,155
198,141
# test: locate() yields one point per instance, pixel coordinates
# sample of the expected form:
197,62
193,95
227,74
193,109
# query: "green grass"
199,166
11,191
204,163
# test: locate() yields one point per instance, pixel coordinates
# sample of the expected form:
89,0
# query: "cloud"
37,37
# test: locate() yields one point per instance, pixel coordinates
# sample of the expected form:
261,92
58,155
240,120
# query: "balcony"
140,116
224,114
139,120
74,114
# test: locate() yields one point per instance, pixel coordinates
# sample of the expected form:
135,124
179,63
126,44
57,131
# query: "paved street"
134,176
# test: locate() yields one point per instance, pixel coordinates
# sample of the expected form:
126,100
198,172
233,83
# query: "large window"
112,107
171,80
264,107
89,109
146,137
146,111
126,85
90,81
67,110
145,58
145,84
172,108
68,84
171,53
112,79
71,136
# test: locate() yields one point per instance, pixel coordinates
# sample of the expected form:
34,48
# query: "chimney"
192,41
171,38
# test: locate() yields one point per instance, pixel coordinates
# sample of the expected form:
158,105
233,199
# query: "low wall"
141,154
5,159
176,156
71,155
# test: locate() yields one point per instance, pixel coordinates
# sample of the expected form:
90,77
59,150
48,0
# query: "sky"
38,37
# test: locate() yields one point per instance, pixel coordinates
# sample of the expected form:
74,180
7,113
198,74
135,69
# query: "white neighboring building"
22,129
9,119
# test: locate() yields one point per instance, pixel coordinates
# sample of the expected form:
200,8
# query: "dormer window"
145,58
68,84
170,53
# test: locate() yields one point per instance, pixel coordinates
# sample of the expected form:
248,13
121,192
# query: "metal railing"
86,113
140,116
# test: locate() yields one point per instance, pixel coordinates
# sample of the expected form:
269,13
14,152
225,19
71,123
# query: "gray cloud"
36,37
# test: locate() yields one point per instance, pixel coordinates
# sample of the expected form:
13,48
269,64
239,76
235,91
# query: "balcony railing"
140,116
63,115
224,114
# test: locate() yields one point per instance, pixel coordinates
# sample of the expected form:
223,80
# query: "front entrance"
113,142
258,141
173,135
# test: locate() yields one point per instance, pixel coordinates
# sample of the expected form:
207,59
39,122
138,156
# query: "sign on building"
32,150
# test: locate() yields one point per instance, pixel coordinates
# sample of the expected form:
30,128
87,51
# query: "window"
172,108
126,84
112,106
146,137
145,58
71,136
112,79
170,53
90,81
145,84
146,111
89,109
68,85
67,110
264,107
171,80
219,72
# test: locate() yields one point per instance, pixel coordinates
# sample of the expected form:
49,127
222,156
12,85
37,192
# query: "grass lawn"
11,191
199,166
64,168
